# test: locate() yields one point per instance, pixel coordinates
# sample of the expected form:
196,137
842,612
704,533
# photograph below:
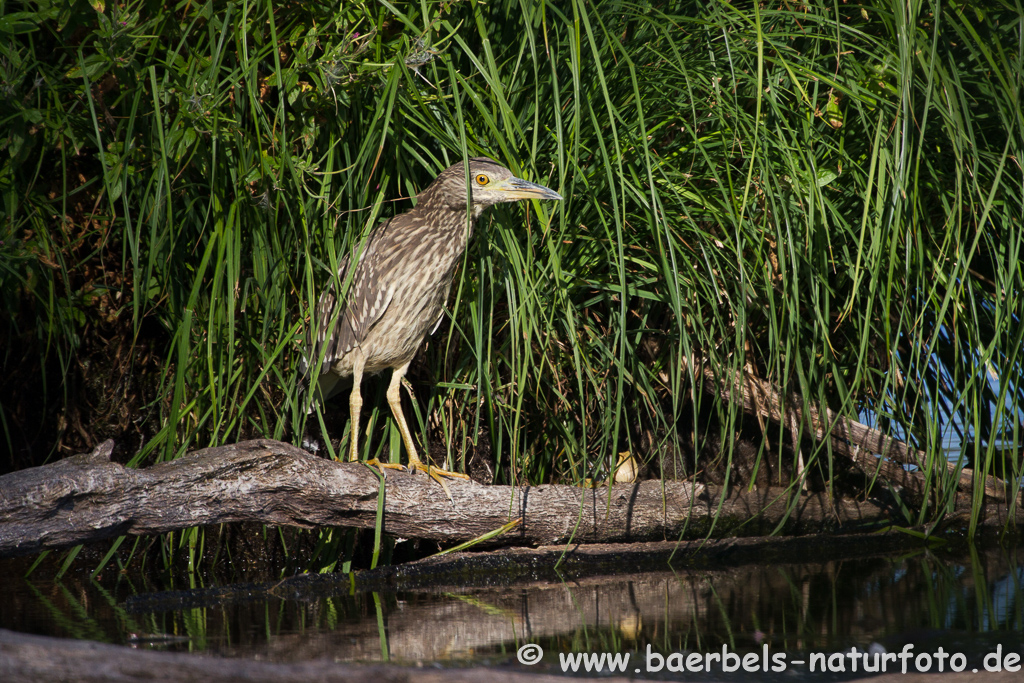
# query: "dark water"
969,604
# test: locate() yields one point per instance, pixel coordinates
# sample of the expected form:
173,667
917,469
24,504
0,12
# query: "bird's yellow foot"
381,466
436,473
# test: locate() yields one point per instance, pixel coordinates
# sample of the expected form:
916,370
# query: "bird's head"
490,182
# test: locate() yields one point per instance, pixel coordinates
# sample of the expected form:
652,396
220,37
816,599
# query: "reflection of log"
512,570
762,398
463,625
454,624
88,498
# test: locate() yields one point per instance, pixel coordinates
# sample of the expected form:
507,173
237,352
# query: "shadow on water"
969,604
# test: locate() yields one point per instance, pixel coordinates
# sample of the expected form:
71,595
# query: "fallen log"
26,658
89,498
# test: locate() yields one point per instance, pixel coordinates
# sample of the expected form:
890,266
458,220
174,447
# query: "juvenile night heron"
400,284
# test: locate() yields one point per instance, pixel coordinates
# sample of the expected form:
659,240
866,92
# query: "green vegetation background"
828,195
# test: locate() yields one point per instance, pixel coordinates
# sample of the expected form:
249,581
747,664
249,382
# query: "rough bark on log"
88,498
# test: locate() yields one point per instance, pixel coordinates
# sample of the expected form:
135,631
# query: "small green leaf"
94,65
826,176
19,22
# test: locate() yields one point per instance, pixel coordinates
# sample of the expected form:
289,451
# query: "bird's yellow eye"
482,179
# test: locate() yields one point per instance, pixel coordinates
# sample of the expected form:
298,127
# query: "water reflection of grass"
971,600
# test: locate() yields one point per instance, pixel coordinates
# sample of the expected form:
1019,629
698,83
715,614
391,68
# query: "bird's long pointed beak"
517,188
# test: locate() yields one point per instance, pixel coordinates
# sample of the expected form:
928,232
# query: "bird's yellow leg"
395,401
355,407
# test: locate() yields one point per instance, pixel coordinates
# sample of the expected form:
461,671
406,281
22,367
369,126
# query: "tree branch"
762,398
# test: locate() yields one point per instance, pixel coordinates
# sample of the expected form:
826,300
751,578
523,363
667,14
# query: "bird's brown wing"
366,301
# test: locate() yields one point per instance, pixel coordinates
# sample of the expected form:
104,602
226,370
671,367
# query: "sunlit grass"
828,197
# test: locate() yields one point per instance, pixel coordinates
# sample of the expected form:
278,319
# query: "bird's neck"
455,211
435,198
